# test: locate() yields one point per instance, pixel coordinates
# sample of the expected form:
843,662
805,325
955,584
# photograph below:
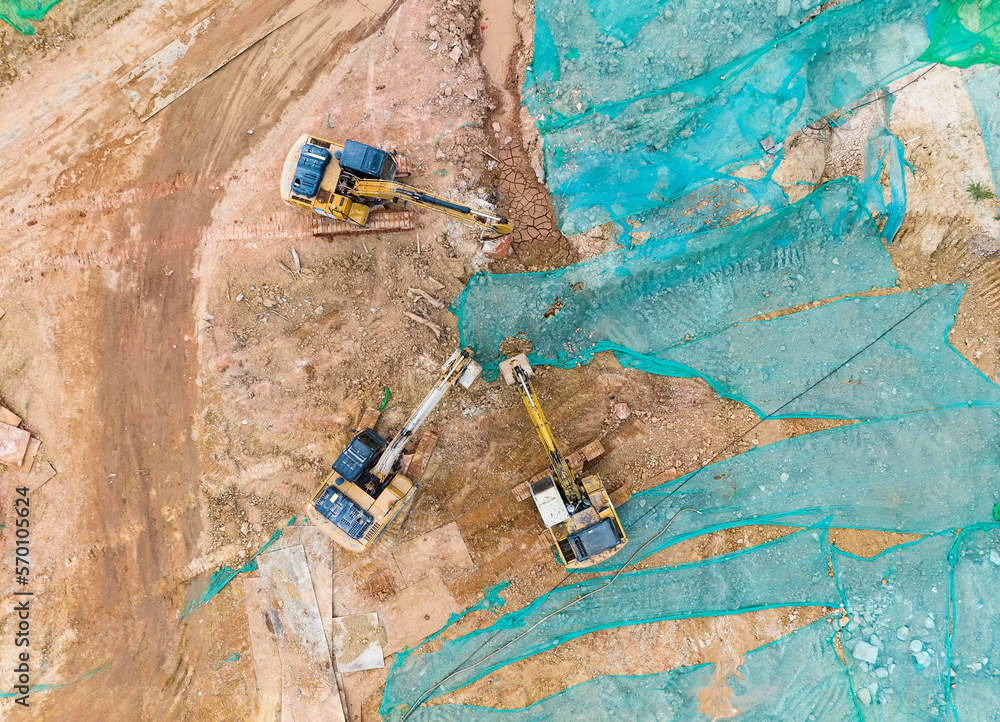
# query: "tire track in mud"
148,363
115,258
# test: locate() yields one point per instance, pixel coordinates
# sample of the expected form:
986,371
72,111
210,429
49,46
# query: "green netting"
791,571
983,84
649,298
896,641
915,473
975,638
693,96
965,33
775,366
885,151
19,13
798,677
201,592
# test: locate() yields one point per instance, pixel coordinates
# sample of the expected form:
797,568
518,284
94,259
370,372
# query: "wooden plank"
9,417
436,553
13,445
307,677
223,34
264,647
29,456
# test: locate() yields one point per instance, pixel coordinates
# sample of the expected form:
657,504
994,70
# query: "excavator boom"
459,369
564,476
578,514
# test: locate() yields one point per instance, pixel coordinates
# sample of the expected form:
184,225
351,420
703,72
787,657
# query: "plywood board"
356,643
434,554
217,38
415,613
264,646
13,445
306,669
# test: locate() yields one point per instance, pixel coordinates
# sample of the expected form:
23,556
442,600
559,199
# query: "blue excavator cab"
309,171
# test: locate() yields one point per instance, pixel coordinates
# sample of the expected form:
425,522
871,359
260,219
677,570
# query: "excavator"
346,183
367,487
579,515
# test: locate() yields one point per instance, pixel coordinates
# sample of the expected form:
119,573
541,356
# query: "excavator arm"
392,191
459,369
517,372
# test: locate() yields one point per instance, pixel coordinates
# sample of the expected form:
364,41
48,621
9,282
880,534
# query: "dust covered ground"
190,391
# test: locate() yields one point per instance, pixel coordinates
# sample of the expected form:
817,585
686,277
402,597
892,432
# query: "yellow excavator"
579,515
367,488
347,182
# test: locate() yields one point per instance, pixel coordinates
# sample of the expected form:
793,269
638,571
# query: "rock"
929,622
881,672
455,54
916,645
318,310
269,303
239,297
472,94
923,659
496,127
434,37
621,411
865,696
865,652
244,529
994,557
903,633
432,20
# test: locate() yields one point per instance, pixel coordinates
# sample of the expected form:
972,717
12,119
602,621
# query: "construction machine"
579,515
346,183
367,487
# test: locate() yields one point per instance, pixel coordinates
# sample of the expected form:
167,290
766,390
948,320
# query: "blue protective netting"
791,571
639,104
799,678
920,642
652,297
975,637
983,84
896,642
683,111
776,366
20,13
884,151
916,473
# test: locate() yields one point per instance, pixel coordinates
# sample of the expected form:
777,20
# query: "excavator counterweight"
366,488
579,514
350,183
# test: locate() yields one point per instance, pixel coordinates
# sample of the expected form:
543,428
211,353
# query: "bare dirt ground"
190,392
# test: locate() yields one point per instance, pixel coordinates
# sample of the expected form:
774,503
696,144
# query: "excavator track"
378,222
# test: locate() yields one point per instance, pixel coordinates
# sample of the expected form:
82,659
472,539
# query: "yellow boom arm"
392,191
562,474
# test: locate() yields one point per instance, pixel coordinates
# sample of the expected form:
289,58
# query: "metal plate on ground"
264,646
415,613
13,445
308,682
435,553
357,645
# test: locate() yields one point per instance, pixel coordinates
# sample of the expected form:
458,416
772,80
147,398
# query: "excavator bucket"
507,367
